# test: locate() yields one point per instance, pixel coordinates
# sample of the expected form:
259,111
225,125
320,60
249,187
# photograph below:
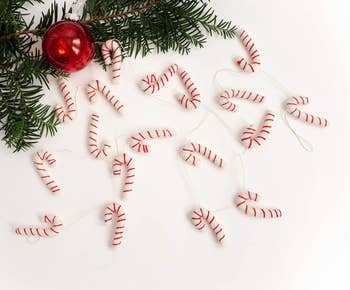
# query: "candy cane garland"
252,137
112,47
189,154
95,86
41,160
201,215
243,202
70,112
291,107
115,210
125,161
137,141
95,149
150,84
249,66
225,99
192,102
53,228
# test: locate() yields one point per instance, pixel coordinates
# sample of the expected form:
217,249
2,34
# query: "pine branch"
141,26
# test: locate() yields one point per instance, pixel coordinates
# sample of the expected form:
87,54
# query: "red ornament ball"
68,45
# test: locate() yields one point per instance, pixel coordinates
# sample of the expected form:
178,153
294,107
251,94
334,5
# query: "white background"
305,45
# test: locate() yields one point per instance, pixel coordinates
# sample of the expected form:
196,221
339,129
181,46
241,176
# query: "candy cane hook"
137,141
115,211
112,47
95,86
150,84
243,201
53,228
193,101
41,160
252,137
95,149
291,107
200,216
189,154
125,161
68,113
249,66
225,99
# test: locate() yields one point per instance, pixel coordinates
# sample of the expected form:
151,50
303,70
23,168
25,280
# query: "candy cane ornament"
252,137
115,211
41,160
97,86
200,216
124,160
291,107
189,152
137,141
151,84
193,101
255,62
69,113
226,98
112,47
53,228
244,202
94,148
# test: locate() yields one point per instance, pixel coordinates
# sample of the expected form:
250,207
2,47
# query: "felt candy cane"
112,47
291,107
95,86
193,101
68,113
96,150
189,151
151,84
137,141
115,211
54,225
252,137
125,161
244,200
41,160
225,99
200,216
249,66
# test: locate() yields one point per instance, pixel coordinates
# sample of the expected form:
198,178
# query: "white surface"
305,45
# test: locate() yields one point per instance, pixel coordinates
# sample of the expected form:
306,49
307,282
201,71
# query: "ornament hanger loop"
77,10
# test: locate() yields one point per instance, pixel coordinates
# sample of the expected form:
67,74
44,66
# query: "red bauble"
68,45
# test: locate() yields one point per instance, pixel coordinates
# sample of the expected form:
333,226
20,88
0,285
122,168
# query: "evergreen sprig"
141,26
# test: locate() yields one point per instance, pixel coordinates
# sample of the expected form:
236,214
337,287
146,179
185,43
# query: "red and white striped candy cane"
53,228
244,200
68,113
95,86
124,160
94,148
225,99
41,160
112,47
291,107
115,211
200,216
189,151
192,102
249,66
137,140
252,137
150,84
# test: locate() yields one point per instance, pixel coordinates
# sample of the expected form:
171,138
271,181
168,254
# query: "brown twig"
130,12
